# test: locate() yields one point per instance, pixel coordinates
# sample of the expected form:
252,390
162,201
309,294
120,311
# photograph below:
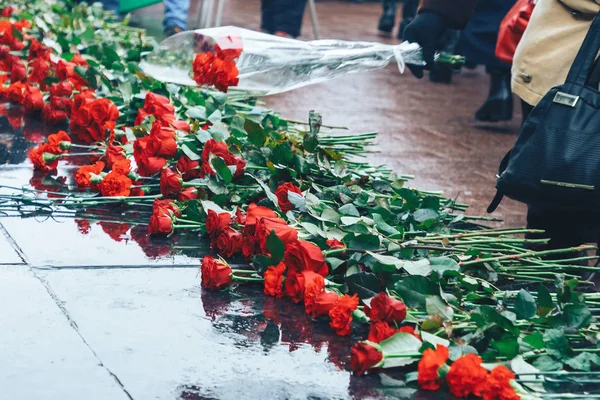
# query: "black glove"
426,29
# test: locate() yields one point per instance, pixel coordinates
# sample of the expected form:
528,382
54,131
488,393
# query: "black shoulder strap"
499,195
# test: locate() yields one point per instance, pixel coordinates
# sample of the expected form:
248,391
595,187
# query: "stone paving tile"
8,254
42,356
150,328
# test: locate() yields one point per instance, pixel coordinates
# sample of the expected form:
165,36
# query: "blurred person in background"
478,45
387,22
543,58
175,19
282,17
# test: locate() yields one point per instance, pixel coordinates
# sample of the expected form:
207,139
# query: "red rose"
115,230
189,169
37,50
115,184
430,363
384,308
84,174
53,116
18,72
103,110
380,331
15,92
159,106
274,280
341,314
217,223
7,11
282,196
323,303
34,100
216,274
181,126
284,232
66,71
363,356
78,60
240,218
148,166
335,244
142,114
61,89
409,329
170,182
114,154
162,147
189,193
253,214
301,255
39,71
229,242
160,225
210,70
168,207
249,246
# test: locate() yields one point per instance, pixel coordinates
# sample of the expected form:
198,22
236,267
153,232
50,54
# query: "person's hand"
426,29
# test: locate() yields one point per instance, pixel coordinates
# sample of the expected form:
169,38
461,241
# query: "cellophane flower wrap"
268,64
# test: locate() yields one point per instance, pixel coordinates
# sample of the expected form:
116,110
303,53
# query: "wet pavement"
97,310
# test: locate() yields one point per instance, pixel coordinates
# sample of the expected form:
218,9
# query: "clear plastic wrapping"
271,64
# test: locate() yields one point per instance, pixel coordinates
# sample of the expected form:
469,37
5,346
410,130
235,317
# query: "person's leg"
499,104
267,16
409,11
388,18
288,16
176,15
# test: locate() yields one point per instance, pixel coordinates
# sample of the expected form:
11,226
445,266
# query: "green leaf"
535,340
525,306
420,267
330,215
261,263
334,263
557,344
383,226
192,155
88,34
435,305
385,263
276,247
237,126
414,290
365,242
507,346
349,209
577,316
197,112
544,300
256,133
425,214
547,363
583,361
411,199
267,191
364,284
486,315
399,344
219,131
222,169
443,264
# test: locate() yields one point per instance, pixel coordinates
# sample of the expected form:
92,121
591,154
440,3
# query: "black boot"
499,104
388,18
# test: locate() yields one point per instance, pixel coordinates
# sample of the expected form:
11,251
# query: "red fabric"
512,28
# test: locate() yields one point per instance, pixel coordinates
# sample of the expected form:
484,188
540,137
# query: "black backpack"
555,161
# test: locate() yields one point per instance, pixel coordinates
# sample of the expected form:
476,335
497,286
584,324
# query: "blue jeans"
176,12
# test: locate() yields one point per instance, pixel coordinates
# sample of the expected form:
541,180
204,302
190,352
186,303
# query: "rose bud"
189,193
170,182
216,274
282,196
160,224
364,356
324,302
384,308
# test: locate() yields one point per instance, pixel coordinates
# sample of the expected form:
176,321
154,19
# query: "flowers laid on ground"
345,240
